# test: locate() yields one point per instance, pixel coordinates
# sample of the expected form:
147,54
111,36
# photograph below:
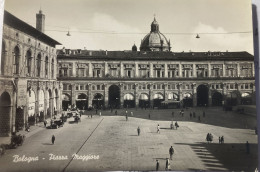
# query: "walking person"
176,125
222,139
45,123
247,147
126,117
53,139
171,151
158,128
157,165
138,131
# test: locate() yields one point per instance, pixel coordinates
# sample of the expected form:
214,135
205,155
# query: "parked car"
56,124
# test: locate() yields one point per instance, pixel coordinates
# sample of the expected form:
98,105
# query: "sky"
223,25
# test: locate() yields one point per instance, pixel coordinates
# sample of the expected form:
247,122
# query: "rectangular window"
217,86
86,87
81,87
125,88
98,87
77,87
246,86
154,86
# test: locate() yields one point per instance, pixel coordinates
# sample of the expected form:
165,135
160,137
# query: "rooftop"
20,25
155,55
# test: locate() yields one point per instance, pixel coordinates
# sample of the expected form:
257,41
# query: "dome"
155,40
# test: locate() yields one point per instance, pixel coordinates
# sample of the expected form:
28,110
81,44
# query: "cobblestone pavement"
117,146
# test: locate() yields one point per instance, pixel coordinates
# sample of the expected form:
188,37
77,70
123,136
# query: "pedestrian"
157,165
53,139
208,137
132,114
222,139
100,113
126,117
204,115
171,151
138,131
45,123
176,125
190,115
219,139
168,167
158,128
247,147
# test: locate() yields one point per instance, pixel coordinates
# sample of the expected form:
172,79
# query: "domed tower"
155,40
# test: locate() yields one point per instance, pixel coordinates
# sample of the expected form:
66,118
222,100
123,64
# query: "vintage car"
57,123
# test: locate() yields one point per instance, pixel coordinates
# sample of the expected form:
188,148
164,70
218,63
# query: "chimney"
40,21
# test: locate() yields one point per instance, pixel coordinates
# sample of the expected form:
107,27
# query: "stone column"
210,96
73,94
238,69
224,70
194,92
180,70
209,70
194,70
89,95
121,95
136,70
74,69
106,68
166,70
136,95
165,91
106,95
90,70
151,70
224,92
253,70
180,92
121,69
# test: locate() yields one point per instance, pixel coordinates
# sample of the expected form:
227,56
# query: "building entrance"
202,95
114,96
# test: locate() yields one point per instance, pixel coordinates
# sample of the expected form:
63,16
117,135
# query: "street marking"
82,145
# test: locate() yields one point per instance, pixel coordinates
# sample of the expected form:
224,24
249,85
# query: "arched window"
46,66
16,60
3,59
29,62
52,68
38,63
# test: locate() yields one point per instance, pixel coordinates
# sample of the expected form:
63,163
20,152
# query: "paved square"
116,144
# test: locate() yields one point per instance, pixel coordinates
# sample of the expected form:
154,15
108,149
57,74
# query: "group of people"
167,164
221,139
209,138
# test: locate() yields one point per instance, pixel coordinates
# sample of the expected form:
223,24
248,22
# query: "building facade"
29,90
155,76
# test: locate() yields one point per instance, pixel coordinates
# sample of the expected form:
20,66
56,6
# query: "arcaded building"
155,76
29,90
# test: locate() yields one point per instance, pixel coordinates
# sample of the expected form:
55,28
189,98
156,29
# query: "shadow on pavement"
230,156
47,143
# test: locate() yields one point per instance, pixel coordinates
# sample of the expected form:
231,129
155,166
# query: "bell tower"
40,21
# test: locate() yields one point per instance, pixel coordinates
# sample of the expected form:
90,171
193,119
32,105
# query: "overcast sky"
130,20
